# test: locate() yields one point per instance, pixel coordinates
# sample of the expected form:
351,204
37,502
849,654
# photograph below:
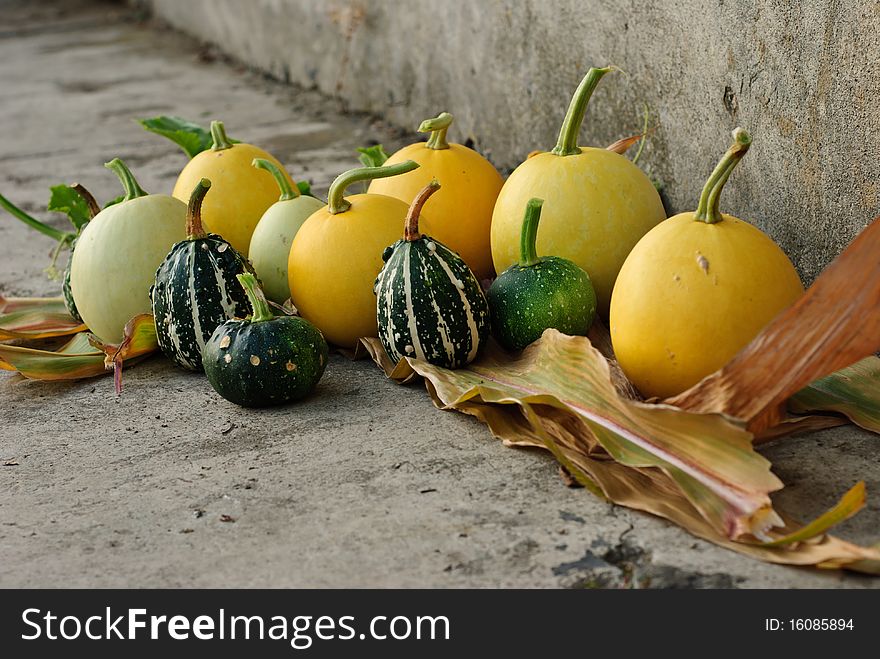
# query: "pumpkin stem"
129,183
288,191
437,127
567,145
257,298
411,228
708,210
221,141
34,223
337,203
528,252
88,197
194,227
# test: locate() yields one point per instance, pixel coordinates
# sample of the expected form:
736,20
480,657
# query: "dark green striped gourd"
539,293
429,304
196,288
66,291
264,359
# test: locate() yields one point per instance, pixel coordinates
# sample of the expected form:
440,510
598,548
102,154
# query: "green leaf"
372,156
65,199
115,201
305,188
189,136
853,391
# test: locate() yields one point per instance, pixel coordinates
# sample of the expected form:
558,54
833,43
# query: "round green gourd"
269,250
196,289
264,360
539,293
429,305
117,254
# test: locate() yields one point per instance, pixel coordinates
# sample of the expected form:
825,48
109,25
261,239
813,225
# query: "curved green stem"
87,197
218,133
567,145
256,297
528,238
707,210
437,127
288,191
129,183
337,203
411,227
45,229
194,227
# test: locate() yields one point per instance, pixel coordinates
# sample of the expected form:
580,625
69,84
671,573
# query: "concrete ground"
364,483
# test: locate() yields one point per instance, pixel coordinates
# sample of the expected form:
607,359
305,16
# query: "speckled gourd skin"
270,362
422,311
195,291
67,294
525,300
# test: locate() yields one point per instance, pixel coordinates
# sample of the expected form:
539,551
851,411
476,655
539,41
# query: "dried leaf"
596,435
853,391
797,425
835,324
74,360
711,458
851,503
621,146
83,356
47,304
139,340
35,324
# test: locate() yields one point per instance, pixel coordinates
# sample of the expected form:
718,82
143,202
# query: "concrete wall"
803,77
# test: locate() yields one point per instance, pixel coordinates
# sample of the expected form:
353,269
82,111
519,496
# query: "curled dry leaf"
83,356
623,145
710,457
30,319
699,471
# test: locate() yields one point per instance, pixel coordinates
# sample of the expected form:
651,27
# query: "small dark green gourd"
264,359
539,293
429,305
196,288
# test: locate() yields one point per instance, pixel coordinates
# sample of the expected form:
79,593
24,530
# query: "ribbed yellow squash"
462,208
695,290
240,193
597,204
337,254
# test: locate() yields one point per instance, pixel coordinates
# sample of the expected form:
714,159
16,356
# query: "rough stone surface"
364,483
801,76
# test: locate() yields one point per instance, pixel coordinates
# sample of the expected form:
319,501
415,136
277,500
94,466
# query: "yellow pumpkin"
697,289
462,208
337,254
597,204
240,193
